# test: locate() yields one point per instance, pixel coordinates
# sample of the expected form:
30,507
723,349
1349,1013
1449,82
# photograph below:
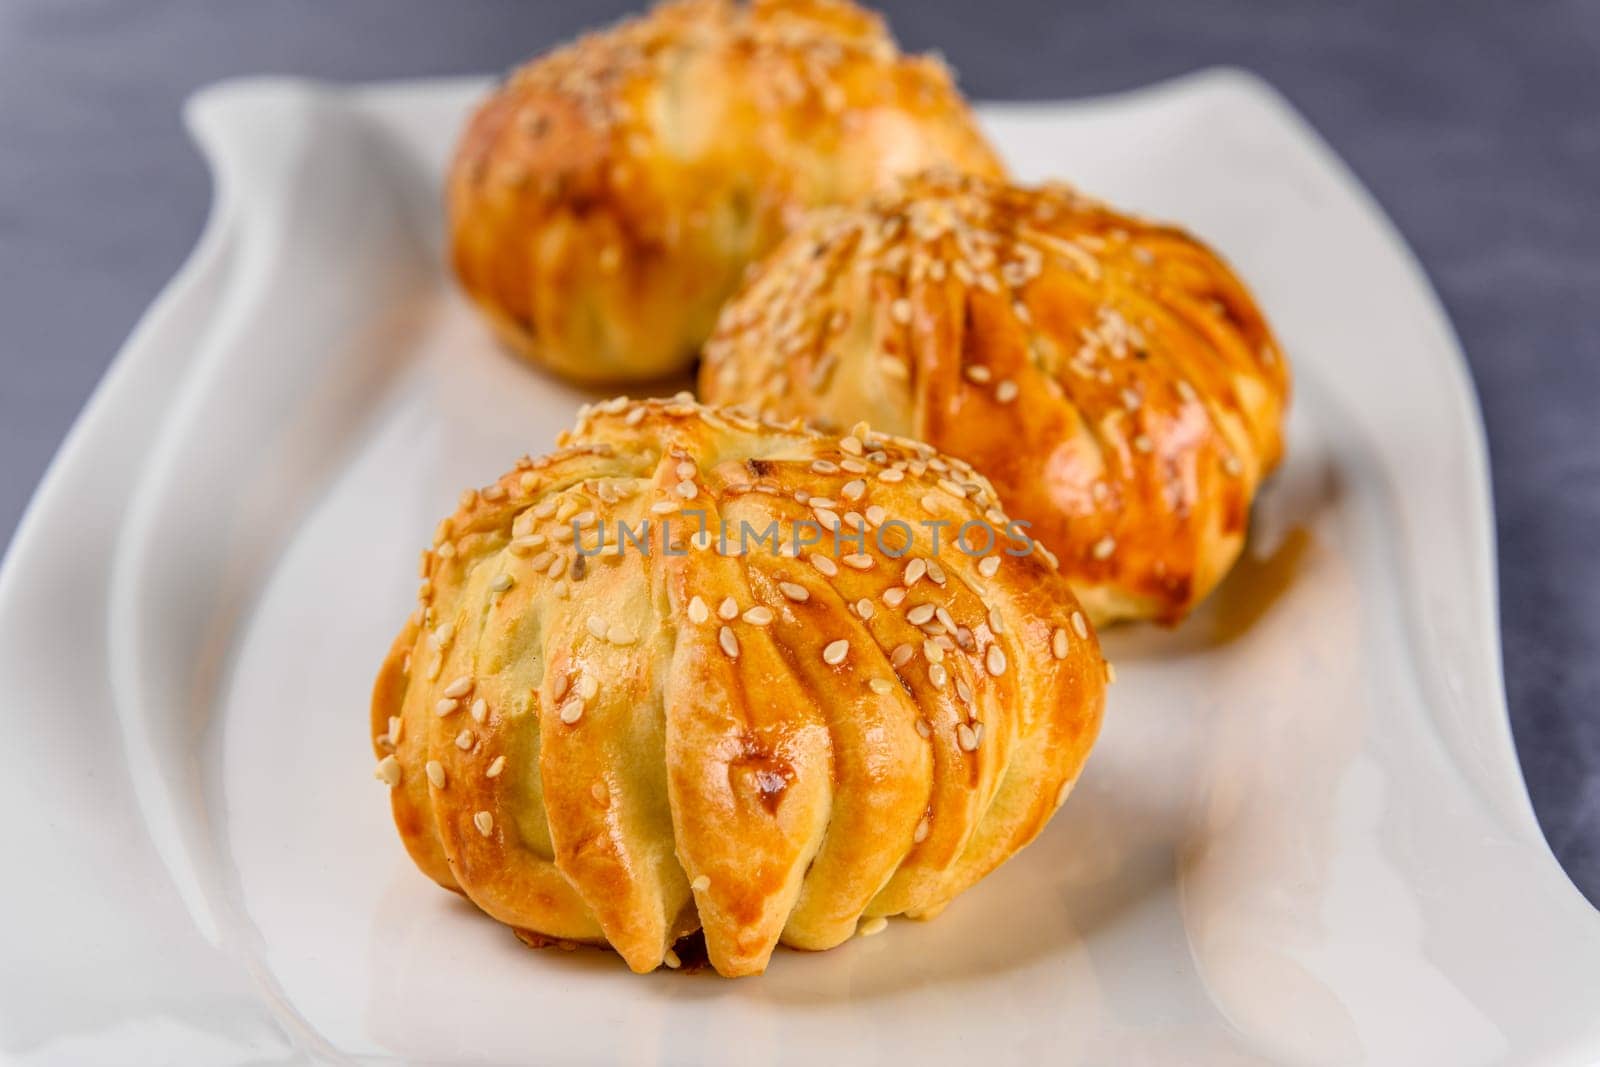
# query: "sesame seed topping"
729,642
858,561
728,610
835,653
686,469
901,655
937,675
447,706
923,825
995,661
687,490
663,507
851,444
825,565
978,373
797,593
923,729
900,311
881,686
572,711
1104,547
464,740
698,612
1079,625
479,710
587,687
1006,391
460,687
484,822
995,624
914,572
558,688
597,626
701,883
388,771
1058,644
670,958
920,614
893,595
435,771
758,615
497,765
874,925
966,737
864,608
853,489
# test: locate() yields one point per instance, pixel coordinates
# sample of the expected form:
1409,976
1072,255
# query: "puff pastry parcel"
623,744
1111,376
605,199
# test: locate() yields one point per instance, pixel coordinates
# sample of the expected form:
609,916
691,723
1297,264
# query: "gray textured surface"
1475,125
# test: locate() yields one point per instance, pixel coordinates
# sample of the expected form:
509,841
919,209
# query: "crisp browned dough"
1111,376
605,199
624,744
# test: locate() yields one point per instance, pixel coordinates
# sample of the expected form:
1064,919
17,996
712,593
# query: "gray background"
1477,126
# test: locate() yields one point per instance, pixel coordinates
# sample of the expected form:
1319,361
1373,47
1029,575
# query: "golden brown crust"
622,746
1112,377
604,201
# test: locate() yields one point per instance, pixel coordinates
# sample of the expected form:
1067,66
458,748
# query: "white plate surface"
1303,837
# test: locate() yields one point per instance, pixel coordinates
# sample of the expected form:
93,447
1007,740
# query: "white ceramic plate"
1303,837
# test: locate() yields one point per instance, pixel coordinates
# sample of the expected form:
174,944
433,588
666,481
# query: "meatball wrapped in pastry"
606,198
1111,376
692,671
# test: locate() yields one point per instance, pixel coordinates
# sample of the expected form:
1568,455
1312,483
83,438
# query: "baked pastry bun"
605,200
1111,376
622,745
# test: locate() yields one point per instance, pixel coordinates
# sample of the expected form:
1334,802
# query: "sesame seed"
914,572
937,675
921,833
978,374
464,740
1111,673
729,642
995,661
920,614
495,767
388,771
597,626
835,653
663,507
1061,795
701,883
758,616
825,565
698,612
1058,644
1006,391
687,490
864,608
670,958
1079,625
396,725
687,469
874,925
858,561
435,771
933,651
881,686
1232,466
966,737
620,635
728,610
891,475
447,706
852,490
480,710
484,822
1104,547
587,687
558,688
995,625
460,687
901,655
851,444
572,711
900,311
893,595
923,729
964,691
797,593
